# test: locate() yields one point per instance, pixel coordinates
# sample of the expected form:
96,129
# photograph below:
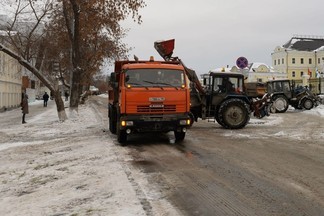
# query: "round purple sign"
242,62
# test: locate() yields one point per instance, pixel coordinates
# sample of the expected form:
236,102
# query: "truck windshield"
154,78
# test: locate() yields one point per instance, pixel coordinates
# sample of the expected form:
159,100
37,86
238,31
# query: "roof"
305,43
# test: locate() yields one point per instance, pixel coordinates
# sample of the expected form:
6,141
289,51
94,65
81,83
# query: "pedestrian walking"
45,98
66,94
24,107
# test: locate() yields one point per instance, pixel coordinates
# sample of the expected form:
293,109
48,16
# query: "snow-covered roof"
305,43
221,69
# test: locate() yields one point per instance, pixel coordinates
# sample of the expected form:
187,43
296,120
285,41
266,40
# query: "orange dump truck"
148,96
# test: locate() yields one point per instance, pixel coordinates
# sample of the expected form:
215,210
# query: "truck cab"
148,96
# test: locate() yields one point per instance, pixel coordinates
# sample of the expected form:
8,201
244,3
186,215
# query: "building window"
278,61
283,61
301,61
301,74
293,74
275,62
293,60
310,61
318,60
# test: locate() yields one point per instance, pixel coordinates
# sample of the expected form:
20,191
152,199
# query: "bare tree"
93,28
77,34
25,33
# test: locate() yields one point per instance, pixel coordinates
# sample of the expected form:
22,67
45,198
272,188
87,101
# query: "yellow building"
301,56
10,81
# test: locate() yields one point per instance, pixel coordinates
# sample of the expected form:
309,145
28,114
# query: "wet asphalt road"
264,169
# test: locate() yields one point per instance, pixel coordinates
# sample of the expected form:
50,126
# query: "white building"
255,72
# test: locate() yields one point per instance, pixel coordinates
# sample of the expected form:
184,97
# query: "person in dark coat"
66,94
24,107
45,98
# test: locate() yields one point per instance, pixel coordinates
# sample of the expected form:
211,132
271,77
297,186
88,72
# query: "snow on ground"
69,168
74,167
277,120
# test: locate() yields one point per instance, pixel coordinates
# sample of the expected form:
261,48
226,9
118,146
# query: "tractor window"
228,84
218,87
154,78
286,86
277,87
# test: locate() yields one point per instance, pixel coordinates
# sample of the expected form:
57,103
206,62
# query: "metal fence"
316,85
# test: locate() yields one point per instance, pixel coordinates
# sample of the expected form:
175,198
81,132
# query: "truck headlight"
127,123
185,122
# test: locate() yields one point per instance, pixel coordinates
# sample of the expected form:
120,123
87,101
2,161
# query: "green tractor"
284,93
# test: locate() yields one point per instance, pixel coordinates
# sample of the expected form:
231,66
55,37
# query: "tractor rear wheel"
234,113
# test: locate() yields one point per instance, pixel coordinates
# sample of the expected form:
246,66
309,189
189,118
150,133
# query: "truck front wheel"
179,136
121,135
234,114
112,120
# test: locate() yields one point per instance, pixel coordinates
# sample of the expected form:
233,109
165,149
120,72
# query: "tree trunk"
75,89
60,106
74,33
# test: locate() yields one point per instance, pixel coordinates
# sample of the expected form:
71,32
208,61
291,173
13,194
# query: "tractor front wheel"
280,103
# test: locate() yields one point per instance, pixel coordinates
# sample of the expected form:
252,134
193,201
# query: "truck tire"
179,136
121,135
112,120
280,103
307,103
234,113
192,118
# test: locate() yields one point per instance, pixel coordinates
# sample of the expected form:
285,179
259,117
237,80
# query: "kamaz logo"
156,99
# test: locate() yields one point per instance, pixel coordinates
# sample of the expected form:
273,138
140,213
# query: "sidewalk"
70,168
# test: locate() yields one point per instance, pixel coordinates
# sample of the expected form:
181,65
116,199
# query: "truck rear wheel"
179,136
280,103
234,113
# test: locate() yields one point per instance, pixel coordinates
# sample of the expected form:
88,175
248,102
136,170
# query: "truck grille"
155,109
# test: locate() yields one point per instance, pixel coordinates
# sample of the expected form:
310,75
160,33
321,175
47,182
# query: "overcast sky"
214,33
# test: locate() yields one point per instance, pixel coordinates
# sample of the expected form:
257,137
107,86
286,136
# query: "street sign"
242,62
